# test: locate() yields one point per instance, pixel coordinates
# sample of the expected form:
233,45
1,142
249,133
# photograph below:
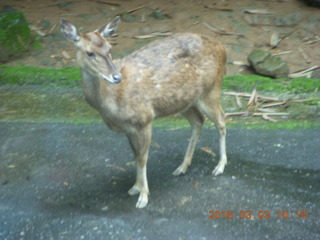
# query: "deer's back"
169,75
170,56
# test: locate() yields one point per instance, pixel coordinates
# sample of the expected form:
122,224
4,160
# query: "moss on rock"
15,35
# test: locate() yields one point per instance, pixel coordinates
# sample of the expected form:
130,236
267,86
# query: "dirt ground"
297,25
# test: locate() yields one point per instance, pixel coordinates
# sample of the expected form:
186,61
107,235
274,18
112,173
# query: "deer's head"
94,51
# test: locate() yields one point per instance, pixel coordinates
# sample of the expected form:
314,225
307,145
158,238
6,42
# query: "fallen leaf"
66,55
208,150
116,167
196,185
105,208
184,200
132,163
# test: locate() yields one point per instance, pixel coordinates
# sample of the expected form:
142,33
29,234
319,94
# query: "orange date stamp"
258,214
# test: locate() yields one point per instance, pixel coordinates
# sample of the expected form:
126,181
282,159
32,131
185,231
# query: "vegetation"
15,35
30,75
70,78
246,83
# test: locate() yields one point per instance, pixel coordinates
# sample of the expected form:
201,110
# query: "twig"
305,100
303,73
219,9
304,55
257,11
248,95
54,26
8,112
109,3
266,117
243,114
275,104
222,32
253,99
238,101
272,114
265,110
153,35
282,53
135,9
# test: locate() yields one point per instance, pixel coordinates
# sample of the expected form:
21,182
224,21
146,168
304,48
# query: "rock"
158,15
316,73
257,56
15,35
265,64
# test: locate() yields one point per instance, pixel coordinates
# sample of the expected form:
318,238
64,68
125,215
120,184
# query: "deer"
180,74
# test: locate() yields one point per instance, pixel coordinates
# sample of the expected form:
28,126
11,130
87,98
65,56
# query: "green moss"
178,122
29,75
15,35
289,125
246,83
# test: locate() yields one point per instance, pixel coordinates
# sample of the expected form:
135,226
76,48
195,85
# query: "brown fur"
179,74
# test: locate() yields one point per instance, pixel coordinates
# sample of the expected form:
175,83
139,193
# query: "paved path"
65,181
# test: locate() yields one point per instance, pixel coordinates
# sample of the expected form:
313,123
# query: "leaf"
184,200
208,150
116,167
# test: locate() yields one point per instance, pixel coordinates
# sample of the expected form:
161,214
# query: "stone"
257,56
265,64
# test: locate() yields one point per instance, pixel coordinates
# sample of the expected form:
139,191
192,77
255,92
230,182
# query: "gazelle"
179,74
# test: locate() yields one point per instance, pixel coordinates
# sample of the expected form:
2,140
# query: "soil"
297,24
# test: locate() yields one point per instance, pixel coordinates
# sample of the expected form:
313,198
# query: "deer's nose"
117,78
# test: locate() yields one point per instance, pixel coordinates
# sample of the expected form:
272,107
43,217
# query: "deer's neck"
92,88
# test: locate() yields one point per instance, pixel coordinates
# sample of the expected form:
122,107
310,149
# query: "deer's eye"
90,54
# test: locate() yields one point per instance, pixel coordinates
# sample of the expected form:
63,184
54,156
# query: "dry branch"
266,117
219,9
275,104
303,73
253,99
257,11
222,32
153,35
109,3
304,55
272,114
238,101
241,114
248,95
135,9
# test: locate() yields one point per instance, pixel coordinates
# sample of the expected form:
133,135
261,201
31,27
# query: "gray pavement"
68,181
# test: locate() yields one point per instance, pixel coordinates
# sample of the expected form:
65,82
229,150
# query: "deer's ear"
69,31
107,30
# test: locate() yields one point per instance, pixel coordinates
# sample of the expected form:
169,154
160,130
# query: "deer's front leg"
140,140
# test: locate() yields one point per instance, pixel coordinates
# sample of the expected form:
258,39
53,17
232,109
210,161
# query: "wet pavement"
70,181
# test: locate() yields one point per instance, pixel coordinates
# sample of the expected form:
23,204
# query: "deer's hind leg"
196,120
211,107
